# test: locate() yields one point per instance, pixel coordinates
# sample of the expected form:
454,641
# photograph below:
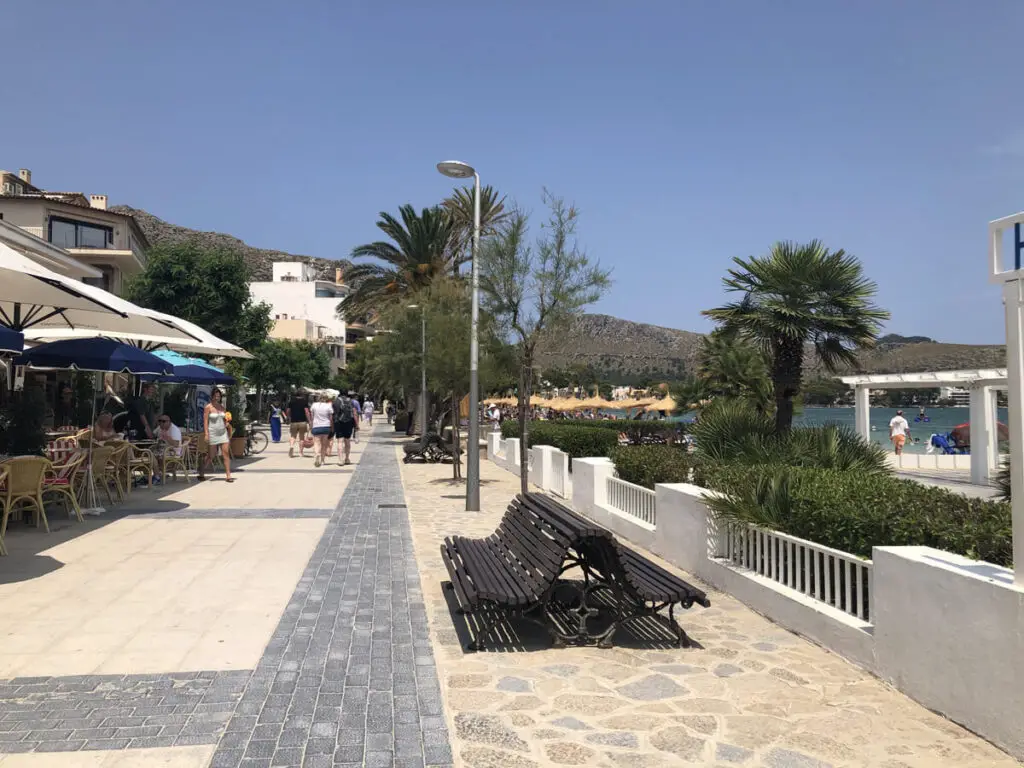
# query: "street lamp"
423,368
459,170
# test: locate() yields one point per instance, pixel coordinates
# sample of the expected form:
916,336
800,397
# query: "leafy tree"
206,286
418,252
535,290
800,294
281,364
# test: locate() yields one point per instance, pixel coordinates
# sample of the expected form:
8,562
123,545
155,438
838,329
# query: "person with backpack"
344,426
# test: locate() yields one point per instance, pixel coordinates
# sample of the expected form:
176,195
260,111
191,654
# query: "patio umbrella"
34,297
11,342
190,370
666,405
99,355
95,354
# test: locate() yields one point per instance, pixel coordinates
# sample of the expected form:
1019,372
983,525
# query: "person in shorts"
344,426
322,418
358,409
298,421
899,431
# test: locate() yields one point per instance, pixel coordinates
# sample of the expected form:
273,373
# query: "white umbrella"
35,298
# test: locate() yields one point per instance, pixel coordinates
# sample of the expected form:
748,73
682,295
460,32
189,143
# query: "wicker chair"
101,479
118,470
24,483
173,462
62,478
141,462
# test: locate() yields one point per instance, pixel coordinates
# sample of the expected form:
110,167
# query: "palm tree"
733,367
459,206
419,252
800,294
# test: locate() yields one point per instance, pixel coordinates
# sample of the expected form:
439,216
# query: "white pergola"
980,382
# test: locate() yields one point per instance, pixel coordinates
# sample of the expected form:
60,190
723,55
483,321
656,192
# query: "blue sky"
687,132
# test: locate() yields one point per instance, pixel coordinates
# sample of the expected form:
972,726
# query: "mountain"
159,232
620,350
626,352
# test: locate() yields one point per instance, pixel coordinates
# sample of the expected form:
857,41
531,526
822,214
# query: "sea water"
940,420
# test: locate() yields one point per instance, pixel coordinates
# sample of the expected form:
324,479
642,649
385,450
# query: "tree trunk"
525,385
787,371
457,459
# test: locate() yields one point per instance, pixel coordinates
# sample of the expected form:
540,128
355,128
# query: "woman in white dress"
217,430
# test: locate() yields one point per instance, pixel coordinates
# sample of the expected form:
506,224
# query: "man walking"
899,431
344,426
358,411
298,420
368,408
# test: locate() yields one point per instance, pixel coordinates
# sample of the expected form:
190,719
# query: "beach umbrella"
962,432
190,370
665,405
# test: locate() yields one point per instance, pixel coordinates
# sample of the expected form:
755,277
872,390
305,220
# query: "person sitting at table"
169,433
103,429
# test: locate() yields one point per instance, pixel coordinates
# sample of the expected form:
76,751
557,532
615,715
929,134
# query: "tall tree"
733,367
535,290
280,364
800,294
459,206
209,287
418,252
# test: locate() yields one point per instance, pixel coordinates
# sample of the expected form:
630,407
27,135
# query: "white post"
983,458
862,410
1014,301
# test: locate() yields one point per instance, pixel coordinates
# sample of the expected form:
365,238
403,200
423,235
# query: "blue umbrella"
11,341
194,374
95,354
191,370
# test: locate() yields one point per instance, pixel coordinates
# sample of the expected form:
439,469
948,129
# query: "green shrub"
578,442
649,464
735,431
853,511
1003,480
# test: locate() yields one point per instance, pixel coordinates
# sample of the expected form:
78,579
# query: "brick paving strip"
348,677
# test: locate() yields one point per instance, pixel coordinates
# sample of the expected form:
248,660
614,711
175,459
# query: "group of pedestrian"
321,424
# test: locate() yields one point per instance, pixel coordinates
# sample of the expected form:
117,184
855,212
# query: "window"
105,281
66,233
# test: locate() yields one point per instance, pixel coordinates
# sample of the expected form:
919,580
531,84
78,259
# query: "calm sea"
940,420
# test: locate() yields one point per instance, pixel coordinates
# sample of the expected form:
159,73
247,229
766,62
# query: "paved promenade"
295,618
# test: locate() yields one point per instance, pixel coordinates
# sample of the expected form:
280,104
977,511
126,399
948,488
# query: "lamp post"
458,170
423,367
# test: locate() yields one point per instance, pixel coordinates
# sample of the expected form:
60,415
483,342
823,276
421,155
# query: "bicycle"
255,441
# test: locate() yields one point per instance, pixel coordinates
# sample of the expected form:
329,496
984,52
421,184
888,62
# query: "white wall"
299,300
949,631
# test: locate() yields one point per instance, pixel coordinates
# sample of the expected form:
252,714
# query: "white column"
983,459
862,410
1014,301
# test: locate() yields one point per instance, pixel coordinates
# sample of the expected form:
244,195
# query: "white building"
961,397
306,307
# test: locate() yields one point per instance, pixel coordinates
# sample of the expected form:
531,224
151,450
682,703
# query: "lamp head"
455,169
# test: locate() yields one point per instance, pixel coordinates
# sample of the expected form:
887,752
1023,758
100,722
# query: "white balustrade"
556,484
632,500
836,578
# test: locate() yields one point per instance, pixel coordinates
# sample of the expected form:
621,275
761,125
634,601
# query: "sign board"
1006,248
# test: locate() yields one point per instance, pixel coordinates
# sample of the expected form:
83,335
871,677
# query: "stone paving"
751,694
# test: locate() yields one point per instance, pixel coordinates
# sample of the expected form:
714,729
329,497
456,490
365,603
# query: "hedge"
853,511
578,442
649,464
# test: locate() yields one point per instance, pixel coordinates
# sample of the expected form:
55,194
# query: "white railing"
529,461
632,500
835,578
556,484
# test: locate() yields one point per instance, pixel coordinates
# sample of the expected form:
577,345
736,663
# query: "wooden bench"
515,572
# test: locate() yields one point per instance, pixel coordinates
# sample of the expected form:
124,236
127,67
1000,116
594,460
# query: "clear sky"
687,132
